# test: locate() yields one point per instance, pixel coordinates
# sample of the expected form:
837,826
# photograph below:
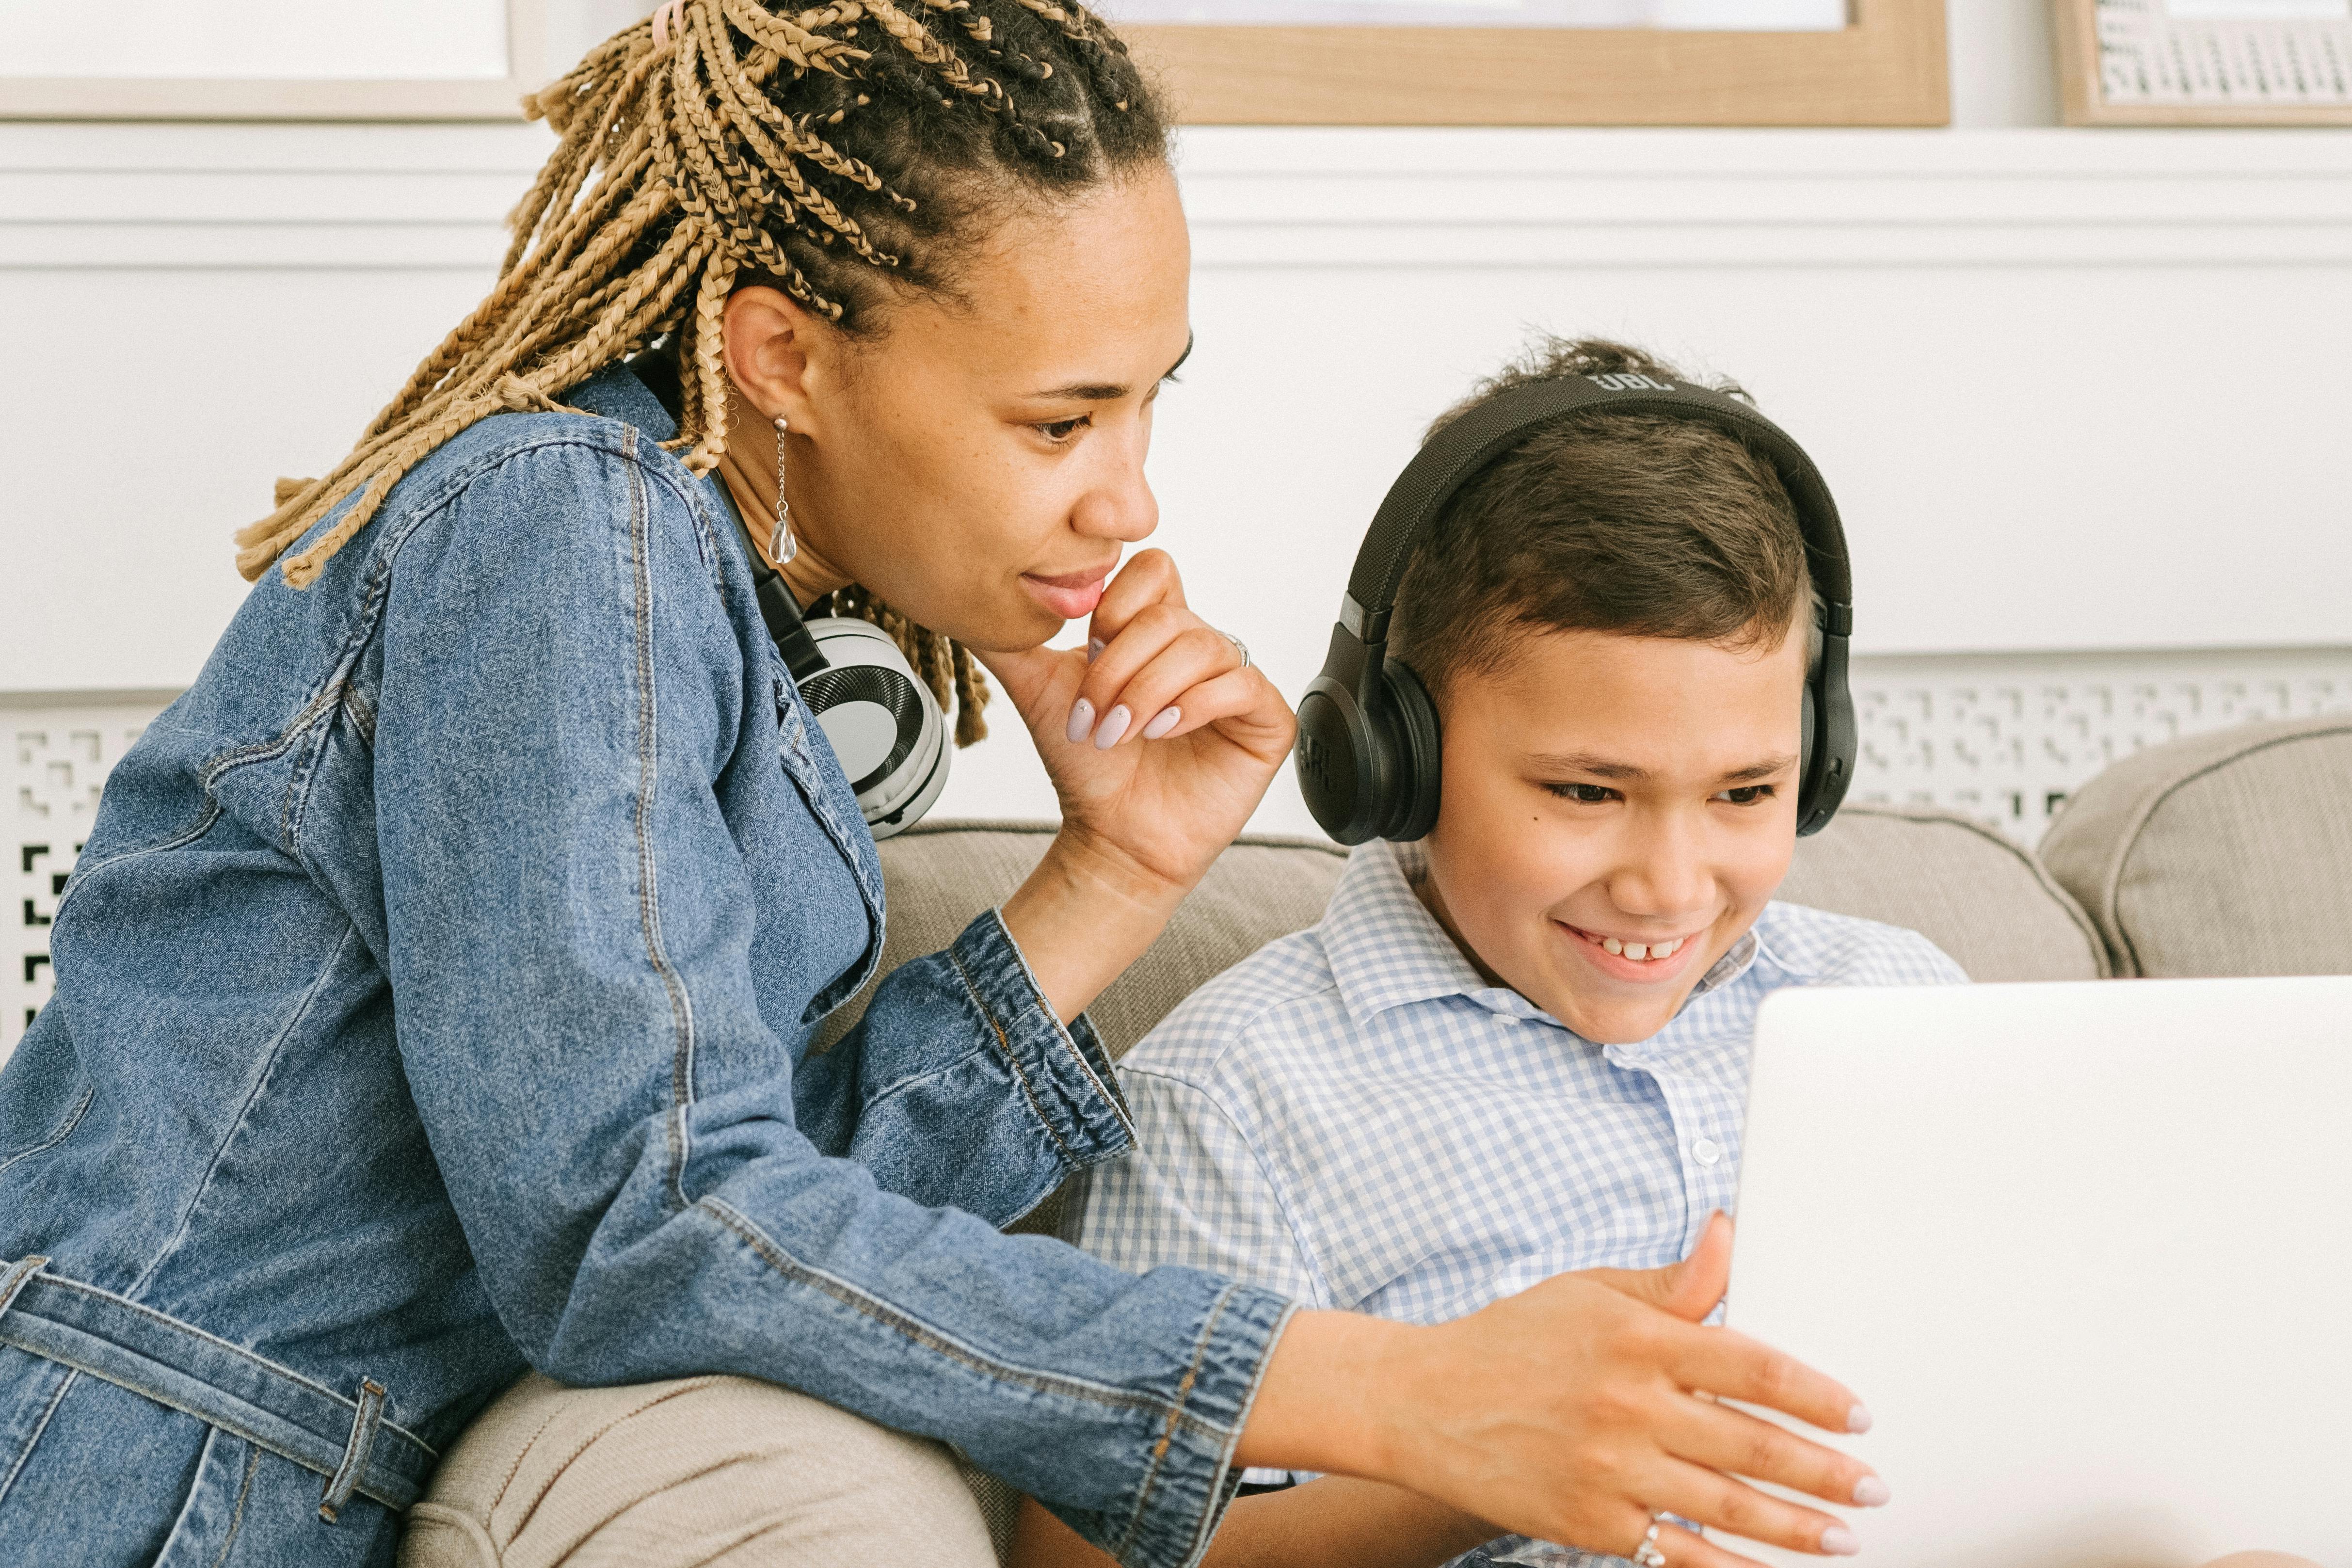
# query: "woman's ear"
783,357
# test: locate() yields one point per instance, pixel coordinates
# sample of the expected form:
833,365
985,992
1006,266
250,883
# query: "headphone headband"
1464,449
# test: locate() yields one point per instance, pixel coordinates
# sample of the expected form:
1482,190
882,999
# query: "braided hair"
835,153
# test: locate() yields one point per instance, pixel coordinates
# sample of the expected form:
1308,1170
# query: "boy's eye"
1061,430
1583,794
1747,794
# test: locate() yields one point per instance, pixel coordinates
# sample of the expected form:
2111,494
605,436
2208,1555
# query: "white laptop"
2084,1251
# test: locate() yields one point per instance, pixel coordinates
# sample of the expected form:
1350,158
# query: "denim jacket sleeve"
944,1036
571,932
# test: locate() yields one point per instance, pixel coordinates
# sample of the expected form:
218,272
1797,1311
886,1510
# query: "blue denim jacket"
434,997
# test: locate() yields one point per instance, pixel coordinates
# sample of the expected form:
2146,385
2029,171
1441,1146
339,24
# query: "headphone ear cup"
1806,747
1336,759
1832,742
881,720
1413,744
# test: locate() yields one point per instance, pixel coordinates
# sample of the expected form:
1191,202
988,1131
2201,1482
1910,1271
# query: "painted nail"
1840,1542
1082,720
1168,719
1857,1419
1094,648
1113,726
1871,1492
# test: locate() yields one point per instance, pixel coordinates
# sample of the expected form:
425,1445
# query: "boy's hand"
1573,1412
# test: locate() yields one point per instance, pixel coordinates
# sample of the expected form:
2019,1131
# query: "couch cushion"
940,875
2228,853
1964,886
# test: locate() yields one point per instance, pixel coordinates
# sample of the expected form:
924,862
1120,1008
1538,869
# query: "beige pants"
723,1471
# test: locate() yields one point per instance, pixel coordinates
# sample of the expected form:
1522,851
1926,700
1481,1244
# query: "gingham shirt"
1354,1117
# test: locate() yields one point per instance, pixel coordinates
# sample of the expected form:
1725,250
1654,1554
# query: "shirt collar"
1385,948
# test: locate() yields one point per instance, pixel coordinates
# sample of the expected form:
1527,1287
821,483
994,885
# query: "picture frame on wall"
1511,62
2205,62
272,60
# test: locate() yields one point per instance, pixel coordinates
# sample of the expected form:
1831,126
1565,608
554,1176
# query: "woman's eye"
1061,430
1583,794
1747,794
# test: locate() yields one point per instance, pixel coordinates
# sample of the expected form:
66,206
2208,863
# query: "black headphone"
1367,753
881,719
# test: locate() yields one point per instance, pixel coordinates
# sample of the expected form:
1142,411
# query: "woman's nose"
1119,503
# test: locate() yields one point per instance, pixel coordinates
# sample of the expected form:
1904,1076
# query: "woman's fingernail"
1871,1492
1167,721
1113,726
1840,1542
1082,720
1094,648
1857,1419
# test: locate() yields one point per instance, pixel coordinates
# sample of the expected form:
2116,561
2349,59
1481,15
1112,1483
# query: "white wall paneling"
2076,391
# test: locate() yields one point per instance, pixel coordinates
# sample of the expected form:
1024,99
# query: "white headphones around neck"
878,715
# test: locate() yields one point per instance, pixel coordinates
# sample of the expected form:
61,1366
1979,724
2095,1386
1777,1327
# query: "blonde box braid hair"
830,151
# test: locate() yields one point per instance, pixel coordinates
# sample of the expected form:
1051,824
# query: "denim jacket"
434,997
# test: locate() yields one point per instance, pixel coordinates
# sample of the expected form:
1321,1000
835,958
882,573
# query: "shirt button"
1707,1151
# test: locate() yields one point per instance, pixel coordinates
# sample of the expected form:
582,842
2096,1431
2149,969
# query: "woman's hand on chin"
1160,743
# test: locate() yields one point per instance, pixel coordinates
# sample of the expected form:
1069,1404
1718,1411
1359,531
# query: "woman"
434,991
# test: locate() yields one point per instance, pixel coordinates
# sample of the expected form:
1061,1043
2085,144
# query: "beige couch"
2225,853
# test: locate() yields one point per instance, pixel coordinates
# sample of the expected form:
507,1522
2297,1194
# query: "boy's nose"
1663,877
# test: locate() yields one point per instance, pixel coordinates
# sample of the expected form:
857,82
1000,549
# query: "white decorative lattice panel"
2006,738
56,756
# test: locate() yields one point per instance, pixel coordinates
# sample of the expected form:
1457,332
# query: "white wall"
2075,390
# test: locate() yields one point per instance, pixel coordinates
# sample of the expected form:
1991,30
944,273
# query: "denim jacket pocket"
820,782
80,1089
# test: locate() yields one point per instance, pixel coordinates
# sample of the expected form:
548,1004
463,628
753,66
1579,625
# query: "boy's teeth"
1642,952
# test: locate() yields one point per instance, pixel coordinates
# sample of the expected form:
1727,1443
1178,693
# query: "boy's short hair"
1641,524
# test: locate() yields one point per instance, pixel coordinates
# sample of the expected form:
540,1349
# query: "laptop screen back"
2085,1252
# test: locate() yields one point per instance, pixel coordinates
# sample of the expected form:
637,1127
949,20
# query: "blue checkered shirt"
1353,1117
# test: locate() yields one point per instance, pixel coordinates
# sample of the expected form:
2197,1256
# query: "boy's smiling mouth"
1645,962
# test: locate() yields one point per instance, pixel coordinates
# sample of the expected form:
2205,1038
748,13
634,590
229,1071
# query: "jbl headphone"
1367,753
882,721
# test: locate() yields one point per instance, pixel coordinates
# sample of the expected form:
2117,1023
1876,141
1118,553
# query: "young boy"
1519,1047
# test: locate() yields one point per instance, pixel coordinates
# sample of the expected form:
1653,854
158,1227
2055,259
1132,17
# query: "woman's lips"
1073,596
1640,972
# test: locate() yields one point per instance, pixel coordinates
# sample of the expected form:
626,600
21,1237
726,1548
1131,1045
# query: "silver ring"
1240,646
1647,1554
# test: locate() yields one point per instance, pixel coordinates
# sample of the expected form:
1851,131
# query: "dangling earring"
782,545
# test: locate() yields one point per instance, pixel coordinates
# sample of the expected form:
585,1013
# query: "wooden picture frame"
2083,96
260,97
1886,66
